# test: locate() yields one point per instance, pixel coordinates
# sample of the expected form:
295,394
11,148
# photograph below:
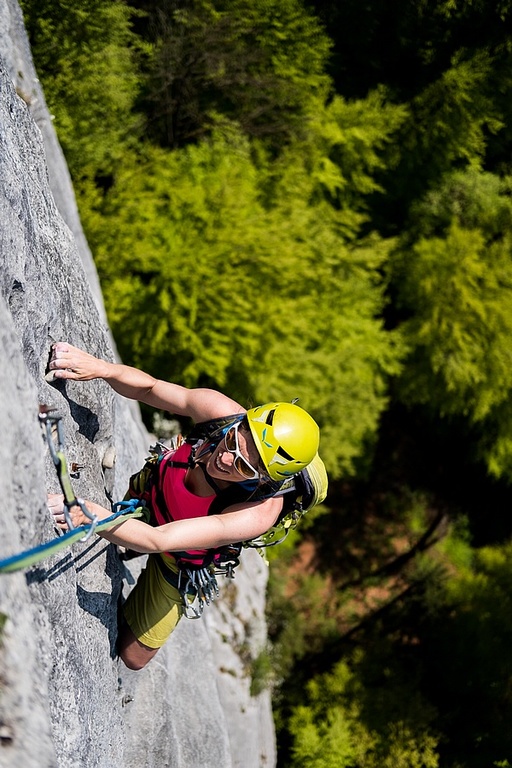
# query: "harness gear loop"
55,440
197,587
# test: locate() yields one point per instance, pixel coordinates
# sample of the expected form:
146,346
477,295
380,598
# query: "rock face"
65,698
15,50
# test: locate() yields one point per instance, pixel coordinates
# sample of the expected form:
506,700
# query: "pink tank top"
179,502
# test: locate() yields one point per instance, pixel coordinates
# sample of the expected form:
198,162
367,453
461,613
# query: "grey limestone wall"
65,698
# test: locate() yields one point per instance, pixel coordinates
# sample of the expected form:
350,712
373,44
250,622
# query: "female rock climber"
264,445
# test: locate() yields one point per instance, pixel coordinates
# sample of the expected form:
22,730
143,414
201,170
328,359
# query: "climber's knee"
132,652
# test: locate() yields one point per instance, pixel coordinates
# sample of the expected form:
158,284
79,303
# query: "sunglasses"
240,463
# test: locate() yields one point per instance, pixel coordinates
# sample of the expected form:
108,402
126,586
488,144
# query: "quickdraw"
121,510
55,440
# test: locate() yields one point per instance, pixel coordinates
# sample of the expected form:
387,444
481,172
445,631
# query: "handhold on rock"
109,457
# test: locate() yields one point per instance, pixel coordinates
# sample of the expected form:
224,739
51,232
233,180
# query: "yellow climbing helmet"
286,437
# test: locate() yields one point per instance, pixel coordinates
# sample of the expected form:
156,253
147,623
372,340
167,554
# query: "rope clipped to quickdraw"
121,510
55,440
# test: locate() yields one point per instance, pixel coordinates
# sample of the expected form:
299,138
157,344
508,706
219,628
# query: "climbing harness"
121,510
55,441
198,587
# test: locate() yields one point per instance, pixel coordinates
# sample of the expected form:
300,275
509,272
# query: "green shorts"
154,607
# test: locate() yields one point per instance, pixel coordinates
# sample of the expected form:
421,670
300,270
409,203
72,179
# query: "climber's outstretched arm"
69,362
240,522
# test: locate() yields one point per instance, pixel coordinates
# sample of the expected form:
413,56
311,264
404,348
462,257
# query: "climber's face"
236,458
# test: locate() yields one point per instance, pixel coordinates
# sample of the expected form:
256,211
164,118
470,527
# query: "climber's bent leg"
151,612
134,653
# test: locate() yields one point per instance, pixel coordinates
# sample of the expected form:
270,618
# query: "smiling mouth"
219,466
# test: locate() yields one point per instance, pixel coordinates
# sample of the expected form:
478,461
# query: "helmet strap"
205,449
211,482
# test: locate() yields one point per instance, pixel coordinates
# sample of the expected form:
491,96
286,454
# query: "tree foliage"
221,286
450,121
467,633
456,281
347,720
84,54
256,63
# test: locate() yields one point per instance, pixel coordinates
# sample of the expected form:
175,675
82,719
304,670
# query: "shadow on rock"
85,419
39,574
101,605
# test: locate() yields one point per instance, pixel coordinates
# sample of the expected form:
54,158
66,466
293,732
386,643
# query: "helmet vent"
281,451
270,418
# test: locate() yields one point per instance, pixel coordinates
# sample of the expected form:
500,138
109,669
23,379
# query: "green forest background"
313,199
